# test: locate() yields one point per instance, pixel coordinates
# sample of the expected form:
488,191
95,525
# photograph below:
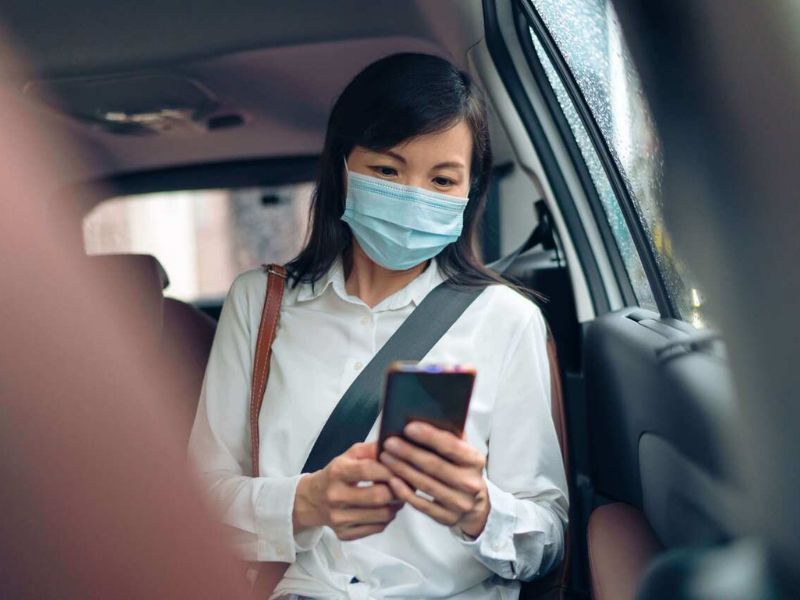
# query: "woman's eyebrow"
394,155
451,164
454,164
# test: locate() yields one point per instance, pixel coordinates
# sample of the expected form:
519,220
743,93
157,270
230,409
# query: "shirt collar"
309,291
414,292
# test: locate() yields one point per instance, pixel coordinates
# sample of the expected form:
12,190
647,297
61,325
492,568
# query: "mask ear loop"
346,175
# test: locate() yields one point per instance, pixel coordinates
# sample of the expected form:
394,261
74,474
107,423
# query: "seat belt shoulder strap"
354,415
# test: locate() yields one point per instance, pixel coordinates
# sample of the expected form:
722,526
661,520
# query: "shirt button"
365,320
358,366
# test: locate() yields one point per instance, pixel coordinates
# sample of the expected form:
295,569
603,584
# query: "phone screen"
429,394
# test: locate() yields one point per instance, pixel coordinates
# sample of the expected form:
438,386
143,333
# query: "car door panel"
683,501
658,408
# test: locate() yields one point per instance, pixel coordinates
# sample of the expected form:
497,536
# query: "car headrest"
145,266
139,279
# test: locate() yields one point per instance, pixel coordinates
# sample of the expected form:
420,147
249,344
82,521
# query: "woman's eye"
442,181
385,171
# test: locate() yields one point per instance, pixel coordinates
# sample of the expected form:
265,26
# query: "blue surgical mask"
400,226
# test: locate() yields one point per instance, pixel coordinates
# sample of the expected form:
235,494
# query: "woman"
401,189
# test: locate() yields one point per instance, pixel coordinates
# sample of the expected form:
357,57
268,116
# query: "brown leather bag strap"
276,282
265,575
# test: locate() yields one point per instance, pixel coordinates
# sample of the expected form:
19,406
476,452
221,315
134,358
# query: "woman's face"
438,162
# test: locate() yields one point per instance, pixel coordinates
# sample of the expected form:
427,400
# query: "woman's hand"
332,497
444,467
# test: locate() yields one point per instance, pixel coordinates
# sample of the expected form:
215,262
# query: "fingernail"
387,458
392,444
413,429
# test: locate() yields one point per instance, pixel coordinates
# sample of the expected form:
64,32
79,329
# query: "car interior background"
199,133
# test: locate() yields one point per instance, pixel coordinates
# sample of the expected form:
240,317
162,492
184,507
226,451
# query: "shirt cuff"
496,541
274,507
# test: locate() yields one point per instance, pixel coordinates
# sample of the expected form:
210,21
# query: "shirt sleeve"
257,510
524,533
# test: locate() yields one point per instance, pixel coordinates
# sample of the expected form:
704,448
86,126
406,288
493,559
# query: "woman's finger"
445,443
377,494
453,499
363,450
469,480
364,469
432,509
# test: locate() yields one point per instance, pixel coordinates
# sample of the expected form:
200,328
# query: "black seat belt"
541,235
355,414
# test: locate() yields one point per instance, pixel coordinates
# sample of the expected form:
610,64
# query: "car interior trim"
654,276
229,174
578,162
532,170
503,62
505,21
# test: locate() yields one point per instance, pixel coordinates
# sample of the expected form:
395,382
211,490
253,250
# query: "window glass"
203,238
622,235
588,35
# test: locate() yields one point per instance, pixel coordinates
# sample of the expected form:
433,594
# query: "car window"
622,235
588,36
203,238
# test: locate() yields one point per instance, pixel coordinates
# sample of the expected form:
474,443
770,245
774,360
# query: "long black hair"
393,100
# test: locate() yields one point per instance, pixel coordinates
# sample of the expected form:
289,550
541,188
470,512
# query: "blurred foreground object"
723,79
96,498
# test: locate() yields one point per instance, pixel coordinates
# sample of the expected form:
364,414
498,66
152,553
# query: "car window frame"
621,275
161,188
528,19
532,121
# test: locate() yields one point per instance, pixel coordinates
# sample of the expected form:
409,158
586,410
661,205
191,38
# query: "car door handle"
693,342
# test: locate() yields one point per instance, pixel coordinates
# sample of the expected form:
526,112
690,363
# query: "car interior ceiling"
647,403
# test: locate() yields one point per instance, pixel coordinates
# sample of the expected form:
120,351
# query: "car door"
651,401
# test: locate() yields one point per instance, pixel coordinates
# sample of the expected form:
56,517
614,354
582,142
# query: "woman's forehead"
452,145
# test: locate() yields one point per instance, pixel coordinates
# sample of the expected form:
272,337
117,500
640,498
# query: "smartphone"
433,393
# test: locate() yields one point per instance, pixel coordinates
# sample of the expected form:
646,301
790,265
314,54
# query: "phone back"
431,393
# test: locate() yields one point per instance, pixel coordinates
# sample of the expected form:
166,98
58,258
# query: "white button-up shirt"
324,339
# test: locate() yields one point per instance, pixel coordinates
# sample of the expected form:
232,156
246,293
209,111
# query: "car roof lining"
94,37
280,65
